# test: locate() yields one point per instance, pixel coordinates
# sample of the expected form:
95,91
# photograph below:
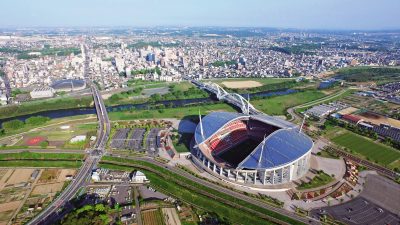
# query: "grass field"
80,119
370,150
318,181
41,163
44,156
277,105
178,113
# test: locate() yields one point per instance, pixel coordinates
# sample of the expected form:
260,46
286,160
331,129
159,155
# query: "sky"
301,14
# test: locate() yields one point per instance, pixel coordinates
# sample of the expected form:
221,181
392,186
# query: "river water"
53,114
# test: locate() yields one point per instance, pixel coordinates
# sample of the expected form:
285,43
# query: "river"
54,114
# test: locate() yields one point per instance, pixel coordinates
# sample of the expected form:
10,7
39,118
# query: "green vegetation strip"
378,153
277,105
366,74
319,180
173,183
41,163
37,106
179,112
38,156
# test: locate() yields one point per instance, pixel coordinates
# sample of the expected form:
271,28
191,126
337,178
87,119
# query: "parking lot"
359,211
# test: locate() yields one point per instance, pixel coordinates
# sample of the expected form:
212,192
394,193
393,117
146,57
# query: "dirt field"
5,216
9,206
19,176
241,84
5,174
170,216
49,175
47,188
65,172
378,119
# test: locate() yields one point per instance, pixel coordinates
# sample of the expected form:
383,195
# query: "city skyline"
322,15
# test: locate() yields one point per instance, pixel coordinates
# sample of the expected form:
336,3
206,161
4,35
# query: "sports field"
261,81
241,84
375,152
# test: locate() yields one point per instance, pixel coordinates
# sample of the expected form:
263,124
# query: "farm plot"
47,188
170,216
152,217
5,216
19,176
49,175
12,194
9,206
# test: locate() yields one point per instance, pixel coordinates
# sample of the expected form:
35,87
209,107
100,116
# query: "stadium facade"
251,149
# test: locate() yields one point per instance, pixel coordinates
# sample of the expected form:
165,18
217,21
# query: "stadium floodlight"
304,120
262,150
201,126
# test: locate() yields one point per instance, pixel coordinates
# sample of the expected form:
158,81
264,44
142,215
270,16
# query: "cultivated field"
20,176
375,152
5,216
49,175
15,185
170,216
47,188
152,217
9,206
241,84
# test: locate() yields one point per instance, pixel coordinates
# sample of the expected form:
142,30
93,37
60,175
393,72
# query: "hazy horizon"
286,14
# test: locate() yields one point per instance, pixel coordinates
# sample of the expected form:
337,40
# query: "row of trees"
192,92
358,130
18,124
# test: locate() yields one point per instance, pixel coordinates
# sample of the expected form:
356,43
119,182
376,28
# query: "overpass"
55,210
232,98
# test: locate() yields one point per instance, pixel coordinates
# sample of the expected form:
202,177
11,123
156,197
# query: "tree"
13,125
44,144
37,120
99,208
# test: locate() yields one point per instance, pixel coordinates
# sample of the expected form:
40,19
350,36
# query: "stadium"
251,149
68,85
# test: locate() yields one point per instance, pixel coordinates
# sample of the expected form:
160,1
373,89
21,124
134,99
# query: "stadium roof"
273,121
68,84
213,122
279,148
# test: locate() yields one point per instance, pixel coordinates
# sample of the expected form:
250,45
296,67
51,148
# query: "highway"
51,213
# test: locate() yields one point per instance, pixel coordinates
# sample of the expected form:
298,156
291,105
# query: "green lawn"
41,163
45,156
178,113
50,104
182,144
319,180
370,150
278,105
